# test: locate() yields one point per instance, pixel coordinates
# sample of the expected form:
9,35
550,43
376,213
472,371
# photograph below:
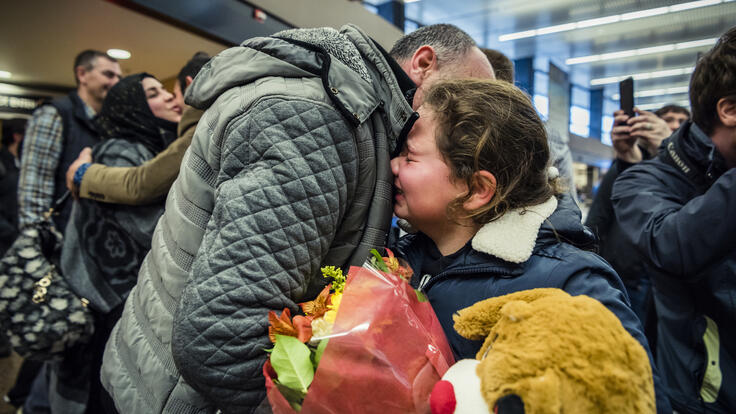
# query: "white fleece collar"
512,237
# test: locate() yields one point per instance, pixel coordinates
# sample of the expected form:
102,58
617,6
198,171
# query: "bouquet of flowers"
367,343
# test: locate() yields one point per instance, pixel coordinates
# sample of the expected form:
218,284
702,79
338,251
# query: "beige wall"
332,13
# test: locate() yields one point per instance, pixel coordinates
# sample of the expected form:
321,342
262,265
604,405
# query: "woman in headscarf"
105,244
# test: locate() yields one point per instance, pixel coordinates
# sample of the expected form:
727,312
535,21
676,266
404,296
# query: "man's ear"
483,190
726,109
188,80
79,72
422,63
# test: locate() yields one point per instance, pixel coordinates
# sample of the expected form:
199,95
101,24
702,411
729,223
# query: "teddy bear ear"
475,322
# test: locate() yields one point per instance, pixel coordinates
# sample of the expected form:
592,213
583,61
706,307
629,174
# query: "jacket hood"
513,237
354,73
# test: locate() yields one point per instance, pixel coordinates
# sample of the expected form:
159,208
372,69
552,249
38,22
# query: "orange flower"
317,307
300,327
396,267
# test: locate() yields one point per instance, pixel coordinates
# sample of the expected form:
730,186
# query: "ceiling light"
5,74
644,75
693,5
644,13
641,52
656,92
582,24
657,105
118,53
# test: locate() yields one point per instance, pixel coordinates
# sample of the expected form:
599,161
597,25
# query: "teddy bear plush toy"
546,352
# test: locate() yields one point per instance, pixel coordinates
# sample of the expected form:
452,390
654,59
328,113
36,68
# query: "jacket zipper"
428,280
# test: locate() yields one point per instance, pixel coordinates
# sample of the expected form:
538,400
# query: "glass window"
541,103
606,126
579,121
579,97
371,8
410,26
541,83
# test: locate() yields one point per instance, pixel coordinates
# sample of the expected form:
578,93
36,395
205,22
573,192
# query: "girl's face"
162,102
422,179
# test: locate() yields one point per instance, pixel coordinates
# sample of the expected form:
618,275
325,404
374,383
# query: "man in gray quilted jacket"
288,170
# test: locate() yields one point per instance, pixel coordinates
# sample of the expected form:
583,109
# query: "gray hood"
321,53
290,54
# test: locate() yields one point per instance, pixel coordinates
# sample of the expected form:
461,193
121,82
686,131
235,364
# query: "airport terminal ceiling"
39,39
594,41
655,39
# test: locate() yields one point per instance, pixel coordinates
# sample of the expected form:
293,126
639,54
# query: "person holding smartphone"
635,139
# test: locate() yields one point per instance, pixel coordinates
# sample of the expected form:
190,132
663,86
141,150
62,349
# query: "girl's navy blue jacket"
536,247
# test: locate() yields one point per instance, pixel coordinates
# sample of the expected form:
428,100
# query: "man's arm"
42,148
139,185
680,237
271,226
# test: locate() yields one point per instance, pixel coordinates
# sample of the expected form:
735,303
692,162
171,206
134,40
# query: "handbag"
39,312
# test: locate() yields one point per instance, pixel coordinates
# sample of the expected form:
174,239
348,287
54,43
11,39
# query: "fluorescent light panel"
644,75
5,74
657,105
655,92
599,21
641,52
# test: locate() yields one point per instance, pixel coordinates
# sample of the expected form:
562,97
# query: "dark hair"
492,125
86,59
449,42
12,126
714,78
677,109
192,68
503,67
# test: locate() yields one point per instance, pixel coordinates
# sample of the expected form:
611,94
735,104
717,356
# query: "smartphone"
626,91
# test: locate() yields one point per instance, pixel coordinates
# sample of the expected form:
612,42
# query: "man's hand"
624,144
650,129
84,157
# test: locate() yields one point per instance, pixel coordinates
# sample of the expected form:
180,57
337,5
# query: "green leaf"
318,353
420,296
293,397
378,261
290,359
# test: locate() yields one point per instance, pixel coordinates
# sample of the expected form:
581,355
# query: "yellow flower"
338,279
331,314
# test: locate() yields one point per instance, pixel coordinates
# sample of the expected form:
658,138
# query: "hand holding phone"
626,92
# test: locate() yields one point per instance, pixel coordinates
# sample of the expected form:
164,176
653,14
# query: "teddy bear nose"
442,399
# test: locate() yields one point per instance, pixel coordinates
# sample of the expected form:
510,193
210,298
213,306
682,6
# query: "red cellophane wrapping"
386,352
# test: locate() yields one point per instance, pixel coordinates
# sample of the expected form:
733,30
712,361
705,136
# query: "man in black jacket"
679,211
13,130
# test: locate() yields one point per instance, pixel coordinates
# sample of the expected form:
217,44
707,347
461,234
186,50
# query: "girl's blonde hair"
492,125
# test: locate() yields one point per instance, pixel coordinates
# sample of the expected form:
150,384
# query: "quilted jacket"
288,170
